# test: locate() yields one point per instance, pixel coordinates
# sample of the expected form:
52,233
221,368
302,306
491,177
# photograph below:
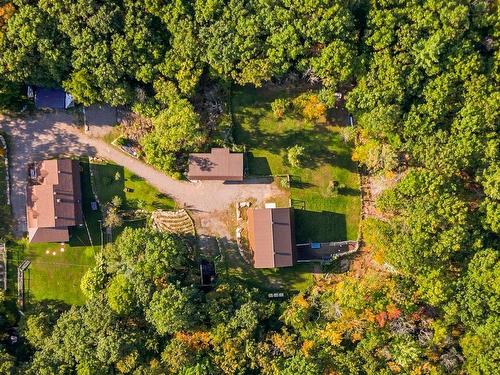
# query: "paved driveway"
47,135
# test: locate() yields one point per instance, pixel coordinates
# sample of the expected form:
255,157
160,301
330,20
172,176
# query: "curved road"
49,135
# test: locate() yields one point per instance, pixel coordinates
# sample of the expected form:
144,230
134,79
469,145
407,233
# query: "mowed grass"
319,215
112,180
53,274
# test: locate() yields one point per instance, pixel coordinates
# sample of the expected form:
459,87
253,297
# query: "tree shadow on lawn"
79,235
349,192
344,160
258,165
319,226
297,183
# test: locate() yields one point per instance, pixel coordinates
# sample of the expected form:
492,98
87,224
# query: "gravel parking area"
49,135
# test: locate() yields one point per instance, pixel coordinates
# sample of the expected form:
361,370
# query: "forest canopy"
421,79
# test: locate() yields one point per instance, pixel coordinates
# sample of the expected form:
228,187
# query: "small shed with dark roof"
219,164
271,237
50,98
207,273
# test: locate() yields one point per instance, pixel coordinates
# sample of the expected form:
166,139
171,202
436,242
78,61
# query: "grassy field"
55,274
319,215
112,180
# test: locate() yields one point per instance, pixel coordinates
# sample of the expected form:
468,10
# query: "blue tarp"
50,98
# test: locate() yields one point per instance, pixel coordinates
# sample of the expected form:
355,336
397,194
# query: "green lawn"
53,274
319,216
111,180
80,235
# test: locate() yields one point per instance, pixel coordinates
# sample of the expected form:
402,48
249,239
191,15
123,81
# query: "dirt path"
47,135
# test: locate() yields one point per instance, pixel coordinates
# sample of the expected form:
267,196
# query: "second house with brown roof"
53,200
219,164
271,237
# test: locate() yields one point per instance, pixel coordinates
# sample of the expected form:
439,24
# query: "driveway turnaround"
50,135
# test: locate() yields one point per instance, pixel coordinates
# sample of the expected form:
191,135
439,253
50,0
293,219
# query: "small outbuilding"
207,273
271,237
50,98
219,164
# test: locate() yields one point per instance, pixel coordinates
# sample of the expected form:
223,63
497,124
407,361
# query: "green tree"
480,291
173,309
176,130
33,49
480,347
7,363
120,295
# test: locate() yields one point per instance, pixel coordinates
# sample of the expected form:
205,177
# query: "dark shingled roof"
271,237
220,164
50,98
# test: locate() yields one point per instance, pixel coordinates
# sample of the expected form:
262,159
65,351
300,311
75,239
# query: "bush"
309,106
283,181
279,107
328,96
295,155
116,201
334,187
376,156
176,176
118,176
113,219
348,133
121,141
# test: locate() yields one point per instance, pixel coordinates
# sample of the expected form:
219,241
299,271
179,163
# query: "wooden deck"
325,252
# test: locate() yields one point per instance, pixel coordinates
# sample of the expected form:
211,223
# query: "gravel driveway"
48,135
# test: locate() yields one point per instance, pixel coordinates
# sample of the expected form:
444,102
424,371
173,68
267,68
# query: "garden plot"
178,222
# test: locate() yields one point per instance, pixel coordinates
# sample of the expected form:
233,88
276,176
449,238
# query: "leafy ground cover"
112,180
319,215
